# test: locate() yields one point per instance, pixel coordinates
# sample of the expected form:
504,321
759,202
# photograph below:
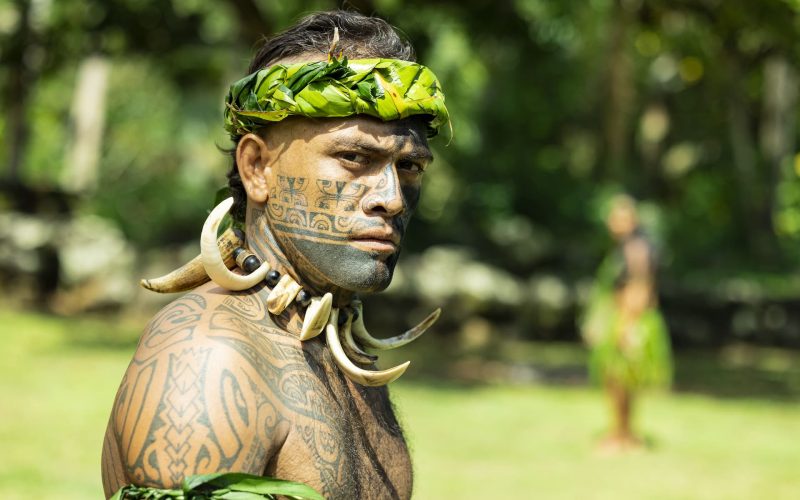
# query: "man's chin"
369,279
348,267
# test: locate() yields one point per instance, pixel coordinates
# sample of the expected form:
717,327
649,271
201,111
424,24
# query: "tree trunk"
16,98
745,160
80,174
778,125
620,93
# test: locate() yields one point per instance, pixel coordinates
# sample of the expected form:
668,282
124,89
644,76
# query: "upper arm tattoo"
184,408
174,324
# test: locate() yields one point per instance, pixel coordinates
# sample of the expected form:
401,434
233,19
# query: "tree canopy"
689,105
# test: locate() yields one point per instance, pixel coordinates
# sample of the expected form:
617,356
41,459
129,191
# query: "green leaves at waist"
227,486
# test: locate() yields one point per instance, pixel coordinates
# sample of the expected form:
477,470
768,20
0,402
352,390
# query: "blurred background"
111,155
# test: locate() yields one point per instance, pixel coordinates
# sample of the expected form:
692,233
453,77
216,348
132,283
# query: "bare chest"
316,426
346,443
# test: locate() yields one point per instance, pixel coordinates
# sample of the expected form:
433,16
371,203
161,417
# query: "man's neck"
262,242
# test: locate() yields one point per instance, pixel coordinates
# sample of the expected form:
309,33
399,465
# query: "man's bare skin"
218,384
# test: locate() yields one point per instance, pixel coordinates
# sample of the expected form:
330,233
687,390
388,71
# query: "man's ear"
253,163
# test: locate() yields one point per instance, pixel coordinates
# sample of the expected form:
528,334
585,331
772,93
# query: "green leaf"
243,495
132,492
367,91
305,75
239,87
248,483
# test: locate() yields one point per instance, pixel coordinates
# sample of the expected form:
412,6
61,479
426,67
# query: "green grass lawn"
58,378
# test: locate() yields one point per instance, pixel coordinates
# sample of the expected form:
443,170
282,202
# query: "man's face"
341,194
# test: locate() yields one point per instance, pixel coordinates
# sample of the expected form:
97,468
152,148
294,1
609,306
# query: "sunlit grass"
539,442
54,402
58,378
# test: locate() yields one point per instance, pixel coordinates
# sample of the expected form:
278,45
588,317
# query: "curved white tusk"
192,274
282,295
354,373
212,260
353,351
316,316
360,331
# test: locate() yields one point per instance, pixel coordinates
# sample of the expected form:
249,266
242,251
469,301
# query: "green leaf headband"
389,89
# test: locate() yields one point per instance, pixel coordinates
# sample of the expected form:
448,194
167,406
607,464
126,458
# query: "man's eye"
353,157
410,166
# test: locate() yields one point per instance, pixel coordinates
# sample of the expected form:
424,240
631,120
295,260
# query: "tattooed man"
331,131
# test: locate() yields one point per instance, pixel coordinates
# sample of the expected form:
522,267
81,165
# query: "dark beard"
344,266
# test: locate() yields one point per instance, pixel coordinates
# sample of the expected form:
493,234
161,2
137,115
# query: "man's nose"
386,198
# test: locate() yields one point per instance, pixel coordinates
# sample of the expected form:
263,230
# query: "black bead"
272,278
303,298
237,251
342,317
251,263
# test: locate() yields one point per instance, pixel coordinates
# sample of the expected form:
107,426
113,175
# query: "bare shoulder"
194,398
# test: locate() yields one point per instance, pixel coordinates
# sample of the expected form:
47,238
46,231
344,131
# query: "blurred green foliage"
690,105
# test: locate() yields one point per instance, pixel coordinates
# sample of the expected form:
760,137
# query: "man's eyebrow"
420,153
356,144
417,153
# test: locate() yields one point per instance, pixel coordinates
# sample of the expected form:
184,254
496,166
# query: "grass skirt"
635,355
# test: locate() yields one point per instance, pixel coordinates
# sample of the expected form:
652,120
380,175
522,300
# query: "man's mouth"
377,240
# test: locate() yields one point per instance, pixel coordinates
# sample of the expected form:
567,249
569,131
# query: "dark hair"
360,37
